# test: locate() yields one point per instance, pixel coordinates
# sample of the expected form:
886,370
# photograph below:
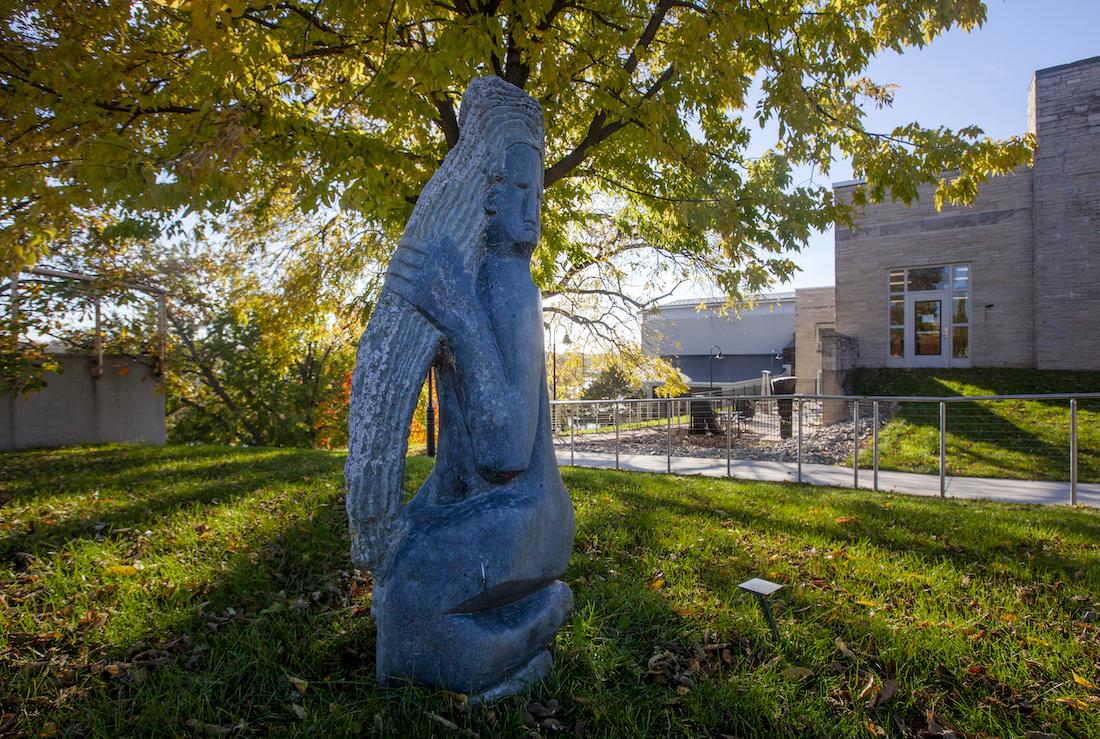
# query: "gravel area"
820,445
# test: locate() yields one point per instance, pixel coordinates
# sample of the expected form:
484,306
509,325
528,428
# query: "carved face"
518,197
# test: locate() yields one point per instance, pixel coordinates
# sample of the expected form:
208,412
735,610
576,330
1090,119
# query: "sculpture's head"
515,198
489,187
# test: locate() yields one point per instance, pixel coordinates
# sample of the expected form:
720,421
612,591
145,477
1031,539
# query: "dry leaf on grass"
1084,683
844,650
797,673
214,730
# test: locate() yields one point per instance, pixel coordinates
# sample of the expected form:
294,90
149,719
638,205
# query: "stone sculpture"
466,588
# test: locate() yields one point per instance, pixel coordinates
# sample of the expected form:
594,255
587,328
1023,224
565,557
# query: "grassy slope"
1013,439
977,610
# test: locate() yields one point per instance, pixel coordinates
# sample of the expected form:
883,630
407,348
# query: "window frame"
956,272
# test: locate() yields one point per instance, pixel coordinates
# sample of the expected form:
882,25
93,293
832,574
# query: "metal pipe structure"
1073,451
615,417
572,438
158,293
943,449
729,447
855,444
668,435
874,447
729,410
885,398
799,454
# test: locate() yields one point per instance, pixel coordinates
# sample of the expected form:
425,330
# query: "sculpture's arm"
500,408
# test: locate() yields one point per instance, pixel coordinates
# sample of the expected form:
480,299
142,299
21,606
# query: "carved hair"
493,116
399,344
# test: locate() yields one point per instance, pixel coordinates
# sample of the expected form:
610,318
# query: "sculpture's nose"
531,209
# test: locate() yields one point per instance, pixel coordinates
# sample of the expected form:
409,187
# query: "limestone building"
1012,281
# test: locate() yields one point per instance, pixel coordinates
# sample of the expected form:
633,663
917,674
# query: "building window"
929,316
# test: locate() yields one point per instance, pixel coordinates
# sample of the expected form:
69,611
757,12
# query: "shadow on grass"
289,605
225,477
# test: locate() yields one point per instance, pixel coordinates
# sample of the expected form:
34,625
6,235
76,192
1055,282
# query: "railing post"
874,445
668,434
799,448
1073,451
943,449
615,420
855,444
729,448
573,436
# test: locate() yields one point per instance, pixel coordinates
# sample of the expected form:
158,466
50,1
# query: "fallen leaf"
875,729
844,650
297,711
870,686
1077,703
889,689
867,603
845,519
439,719
215,730
797,673
299,684
124,570
1084,683
1009,618
657,584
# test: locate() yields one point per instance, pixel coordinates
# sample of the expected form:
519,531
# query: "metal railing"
1040,437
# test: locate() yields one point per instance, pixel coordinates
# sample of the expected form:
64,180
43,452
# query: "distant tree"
611,382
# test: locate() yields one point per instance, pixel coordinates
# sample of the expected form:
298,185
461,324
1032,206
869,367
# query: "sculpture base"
525,677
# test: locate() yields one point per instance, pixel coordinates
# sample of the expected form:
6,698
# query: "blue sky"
978,78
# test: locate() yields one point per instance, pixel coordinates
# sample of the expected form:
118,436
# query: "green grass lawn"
207,591
1018,439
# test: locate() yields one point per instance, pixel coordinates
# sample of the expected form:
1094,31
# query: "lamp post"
430,415
715,353
554,361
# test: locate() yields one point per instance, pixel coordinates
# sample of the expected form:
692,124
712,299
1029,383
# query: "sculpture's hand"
435,280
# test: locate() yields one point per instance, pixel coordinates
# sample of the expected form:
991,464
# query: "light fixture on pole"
715,353
554,361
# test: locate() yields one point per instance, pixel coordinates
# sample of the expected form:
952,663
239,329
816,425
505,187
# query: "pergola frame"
157,293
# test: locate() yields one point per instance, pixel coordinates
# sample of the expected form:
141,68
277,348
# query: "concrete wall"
125,404
680,328
1067,215
814,307
994,236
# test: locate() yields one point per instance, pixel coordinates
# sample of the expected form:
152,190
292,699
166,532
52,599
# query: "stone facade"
815,309
1067,215
993,236
1031,240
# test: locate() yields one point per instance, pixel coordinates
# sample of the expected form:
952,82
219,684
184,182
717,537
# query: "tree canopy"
119,118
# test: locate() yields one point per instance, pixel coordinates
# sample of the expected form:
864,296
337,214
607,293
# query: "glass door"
928,342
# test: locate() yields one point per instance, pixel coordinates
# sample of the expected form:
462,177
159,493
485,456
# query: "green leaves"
210,107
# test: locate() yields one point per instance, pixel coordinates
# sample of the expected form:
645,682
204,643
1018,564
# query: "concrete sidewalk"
1005,491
